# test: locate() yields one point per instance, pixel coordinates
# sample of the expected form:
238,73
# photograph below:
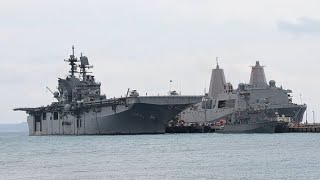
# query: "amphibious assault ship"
222,100
81,109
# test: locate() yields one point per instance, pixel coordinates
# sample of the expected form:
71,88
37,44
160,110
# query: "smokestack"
258,78
217,82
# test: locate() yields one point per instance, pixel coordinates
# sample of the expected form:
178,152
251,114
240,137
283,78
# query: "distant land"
21,127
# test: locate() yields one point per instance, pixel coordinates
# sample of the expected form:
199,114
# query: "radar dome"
67,107
173,93
134,93
56,94
241,86
272,83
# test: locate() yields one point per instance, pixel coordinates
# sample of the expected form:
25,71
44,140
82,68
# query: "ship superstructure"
258,77
279,99
217,82
81,108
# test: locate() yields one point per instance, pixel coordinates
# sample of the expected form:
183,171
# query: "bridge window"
44,116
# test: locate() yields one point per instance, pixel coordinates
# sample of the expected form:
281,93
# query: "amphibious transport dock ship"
222,100
81,109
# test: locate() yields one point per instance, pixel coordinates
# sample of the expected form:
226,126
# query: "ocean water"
168,156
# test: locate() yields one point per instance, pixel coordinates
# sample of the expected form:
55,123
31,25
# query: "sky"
144,44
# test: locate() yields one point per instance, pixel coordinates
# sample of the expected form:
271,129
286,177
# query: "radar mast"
72,62
84,64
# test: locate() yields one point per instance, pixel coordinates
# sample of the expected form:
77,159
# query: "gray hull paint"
140,118
259,127
296,113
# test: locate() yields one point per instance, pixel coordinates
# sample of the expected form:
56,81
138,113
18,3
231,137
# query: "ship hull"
141,119
136,118
295,113
259,127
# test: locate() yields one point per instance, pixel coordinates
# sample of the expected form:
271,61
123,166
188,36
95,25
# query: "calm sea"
169,156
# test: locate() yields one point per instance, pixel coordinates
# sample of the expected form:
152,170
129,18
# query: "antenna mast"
217,63
83,66
72,62
49,90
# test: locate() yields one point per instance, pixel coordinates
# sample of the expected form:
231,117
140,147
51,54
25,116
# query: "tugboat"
81,109
282,124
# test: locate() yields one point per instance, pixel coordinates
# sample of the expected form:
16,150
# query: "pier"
305,129
203,128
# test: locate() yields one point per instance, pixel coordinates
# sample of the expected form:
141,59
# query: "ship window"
44,116
55,116
222,104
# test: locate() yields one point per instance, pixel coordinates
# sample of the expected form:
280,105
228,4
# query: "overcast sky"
144,44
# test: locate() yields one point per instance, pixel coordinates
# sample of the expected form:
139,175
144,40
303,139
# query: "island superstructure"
81,109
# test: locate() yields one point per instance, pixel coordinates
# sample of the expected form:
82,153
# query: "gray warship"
81,109
249,122
222,100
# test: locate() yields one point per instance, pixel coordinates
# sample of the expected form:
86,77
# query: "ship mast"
72,62
217,63
84,64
